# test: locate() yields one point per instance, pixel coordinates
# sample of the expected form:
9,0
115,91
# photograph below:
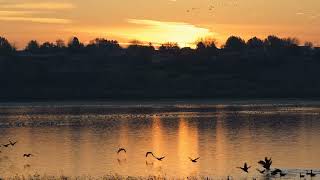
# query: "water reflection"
85,144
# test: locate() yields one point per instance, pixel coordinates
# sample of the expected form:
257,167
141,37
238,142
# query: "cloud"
35,12
36,20
41,5
161,31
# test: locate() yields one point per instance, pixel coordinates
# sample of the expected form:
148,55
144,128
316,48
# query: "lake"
81,139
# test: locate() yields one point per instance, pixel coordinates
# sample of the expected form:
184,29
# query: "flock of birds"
266,165
213,5
194,160
12,144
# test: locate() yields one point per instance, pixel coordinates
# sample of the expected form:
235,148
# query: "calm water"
76,139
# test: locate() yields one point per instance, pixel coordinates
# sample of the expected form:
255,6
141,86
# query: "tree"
33,46
60,43
207,47
255,43
101,43
169,47
235,43
47,47
5,46
75,45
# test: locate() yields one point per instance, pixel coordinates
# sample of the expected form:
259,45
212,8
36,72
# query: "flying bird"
245,168
194,160
27,155
13,143
266,163
160,158
147,154
6,145
121,149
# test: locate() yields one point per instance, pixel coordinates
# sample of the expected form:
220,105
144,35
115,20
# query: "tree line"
103,69
206,46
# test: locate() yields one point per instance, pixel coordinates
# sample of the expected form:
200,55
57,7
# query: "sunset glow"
158,21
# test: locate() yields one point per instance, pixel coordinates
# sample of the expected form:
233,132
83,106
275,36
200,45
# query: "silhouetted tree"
32,47
60,44
255,43
103,45
207,47
170,48
47,47
5,47
234,43
74,45
141,52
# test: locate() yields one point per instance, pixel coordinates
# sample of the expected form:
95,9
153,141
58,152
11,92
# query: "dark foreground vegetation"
269,68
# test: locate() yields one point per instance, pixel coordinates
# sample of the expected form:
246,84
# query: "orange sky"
158,21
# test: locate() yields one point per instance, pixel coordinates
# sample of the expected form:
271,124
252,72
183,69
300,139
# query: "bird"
311,174
147,154
160,158
6,145
276,171
245,168
266,163
13,143
194,160
301,175
282,174
27,155
261,171
121,149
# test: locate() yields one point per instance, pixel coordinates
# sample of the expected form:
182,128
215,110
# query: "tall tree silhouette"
255,43
74,45
5,47
235,43
33,46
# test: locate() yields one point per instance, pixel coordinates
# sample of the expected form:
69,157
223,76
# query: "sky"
158,21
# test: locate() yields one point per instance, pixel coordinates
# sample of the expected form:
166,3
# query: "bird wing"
197,158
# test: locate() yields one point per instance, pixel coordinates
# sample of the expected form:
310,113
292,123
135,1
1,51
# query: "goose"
121,149
27,155
245,168
194,160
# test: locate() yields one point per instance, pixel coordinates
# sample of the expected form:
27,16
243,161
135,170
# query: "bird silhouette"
276,171
245,168
282,174
147,154
302,175
13,143
160,158
6,145
194,160
27,155
266,163
121,149
311,173
261,171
